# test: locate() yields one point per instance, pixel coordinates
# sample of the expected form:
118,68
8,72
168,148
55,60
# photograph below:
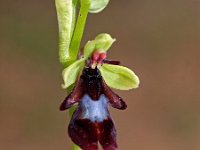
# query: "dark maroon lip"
87,134
91,121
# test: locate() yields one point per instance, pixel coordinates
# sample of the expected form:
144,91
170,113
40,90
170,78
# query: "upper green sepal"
119,77
71,73
97,6
102,43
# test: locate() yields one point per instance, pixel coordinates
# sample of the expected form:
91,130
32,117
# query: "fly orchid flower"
93,76
91,122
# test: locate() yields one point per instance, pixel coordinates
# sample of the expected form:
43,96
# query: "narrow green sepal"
97,6
70,73
119,77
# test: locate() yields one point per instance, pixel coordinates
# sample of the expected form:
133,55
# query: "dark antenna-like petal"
114,99
74,96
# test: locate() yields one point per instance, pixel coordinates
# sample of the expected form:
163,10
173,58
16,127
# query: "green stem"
79,29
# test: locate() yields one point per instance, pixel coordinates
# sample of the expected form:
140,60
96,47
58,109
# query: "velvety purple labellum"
91,122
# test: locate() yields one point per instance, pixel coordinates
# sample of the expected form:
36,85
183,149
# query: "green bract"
70,28
98,5
65,22
119,77
70,73
102,43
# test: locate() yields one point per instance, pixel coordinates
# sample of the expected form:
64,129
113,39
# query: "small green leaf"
70,73
119,77
102,43
98,5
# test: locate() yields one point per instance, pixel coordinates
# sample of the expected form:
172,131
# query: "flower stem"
79,29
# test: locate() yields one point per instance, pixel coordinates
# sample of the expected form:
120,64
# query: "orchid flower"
91,122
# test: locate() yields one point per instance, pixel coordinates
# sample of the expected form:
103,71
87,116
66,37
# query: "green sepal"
71,72
97,6
102,43
119,77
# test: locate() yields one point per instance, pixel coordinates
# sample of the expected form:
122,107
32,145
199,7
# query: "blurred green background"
159,40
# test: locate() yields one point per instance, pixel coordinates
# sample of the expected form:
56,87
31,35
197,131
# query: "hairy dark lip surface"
87,130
